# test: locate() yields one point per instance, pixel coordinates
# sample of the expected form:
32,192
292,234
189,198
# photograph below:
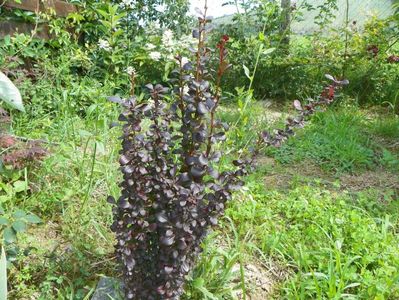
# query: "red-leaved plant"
173,189
19,154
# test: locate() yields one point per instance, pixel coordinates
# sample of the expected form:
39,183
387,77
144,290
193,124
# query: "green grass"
335,140
332,246
68,191
387,127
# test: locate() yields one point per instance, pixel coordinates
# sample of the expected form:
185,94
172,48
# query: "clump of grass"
387,127
336,140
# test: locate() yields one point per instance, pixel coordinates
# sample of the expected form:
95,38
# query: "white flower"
168,34
184,60
186,89
157,25
167,38
104,44
131,70
150,46
127,3
155,55
160,8
141,22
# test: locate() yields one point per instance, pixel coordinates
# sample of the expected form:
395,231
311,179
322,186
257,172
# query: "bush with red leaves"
20,154
373,50
393,59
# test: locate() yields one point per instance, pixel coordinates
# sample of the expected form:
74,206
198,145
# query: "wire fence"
359,11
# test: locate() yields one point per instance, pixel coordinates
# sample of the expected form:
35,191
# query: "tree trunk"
285,23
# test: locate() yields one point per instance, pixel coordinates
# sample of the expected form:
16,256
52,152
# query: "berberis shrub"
174,190
171,193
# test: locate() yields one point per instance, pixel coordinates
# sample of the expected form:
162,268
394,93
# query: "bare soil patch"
284,177
261,280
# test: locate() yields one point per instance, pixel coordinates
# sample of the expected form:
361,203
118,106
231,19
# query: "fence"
60,8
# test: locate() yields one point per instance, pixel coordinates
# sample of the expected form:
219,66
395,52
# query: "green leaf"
268,51
9,235
84,133
246,71
31,218
9,93
19,226
7,40
3,221
103,13
3,275
20,186
19,213
198,283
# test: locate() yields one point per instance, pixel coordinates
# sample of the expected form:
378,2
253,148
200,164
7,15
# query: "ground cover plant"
316,218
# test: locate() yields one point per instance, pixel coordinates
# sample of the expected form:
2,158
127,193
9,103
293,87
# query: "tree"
285,22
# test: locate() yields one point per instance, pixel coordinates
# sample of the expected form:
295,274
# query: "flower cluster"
150,46
160,8
131,71
169,46
127,4
155,55
167,38
104,45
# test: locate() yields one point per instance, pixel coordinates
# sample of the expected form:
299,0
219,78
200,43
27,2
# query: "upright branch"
223,66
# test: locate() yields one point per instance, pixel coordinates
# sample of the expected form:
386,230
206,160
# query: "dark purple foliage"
172,192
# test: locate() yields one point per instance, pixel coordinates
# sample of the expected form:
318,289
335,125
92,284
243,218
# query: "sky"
215,7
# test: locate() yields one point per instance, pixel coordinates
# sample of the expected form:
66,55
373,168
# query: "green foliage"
93,48
386,127
336,140
335,50
334,247
215,277
11,225
389,160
